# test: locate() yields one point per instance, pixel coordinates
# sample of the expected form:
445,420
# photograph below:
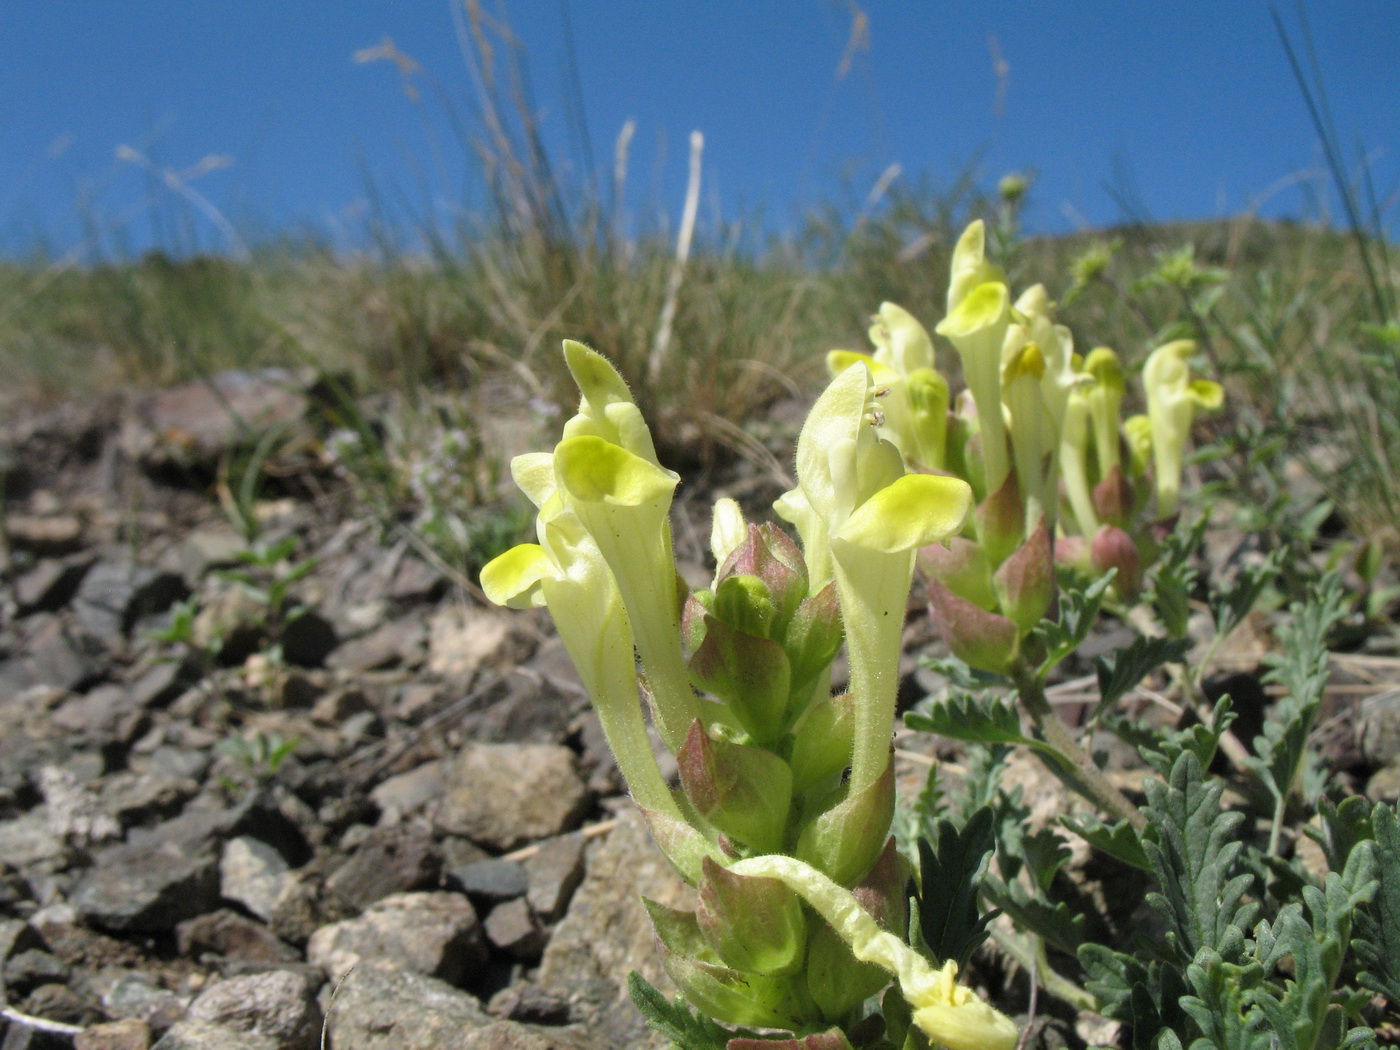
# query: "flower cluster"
1059,476
782,820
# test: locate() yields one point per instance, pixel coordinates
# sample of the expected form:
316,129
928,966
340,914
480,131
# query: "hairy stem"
1058,735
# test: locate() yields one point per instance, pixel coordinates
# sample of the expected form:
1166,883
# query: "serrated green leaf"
1078,610
945,921
1118,840
975,719
1377,942
1122,670
1230,606
1173,582
686,1029
1196,859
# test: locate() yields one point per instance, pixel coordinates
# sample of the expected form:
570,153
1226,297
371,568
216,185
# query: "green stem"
1058,735
1032,959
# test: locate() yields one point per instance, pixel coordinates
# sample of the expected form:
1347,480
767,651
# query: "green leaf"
944,920
1230,607
1172,584
1078,609
686,1029
1122,670
1118,840
1377,943
1196,859
1301,666
976,719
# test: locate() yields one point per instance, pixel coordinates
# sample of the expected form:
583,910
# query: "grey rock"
201,1035
606,935
101,713
253,874
58,1002
141,798
555,871
436,933
383,1007
390,860
59,657
233,936
280,1004
399,642
212,546
162,682
16,936
401,795
44,534
193,424
116,592
513,928
143,887
1378,728
504,795
492,880
134,995
75,811
30,840
33,967
50,584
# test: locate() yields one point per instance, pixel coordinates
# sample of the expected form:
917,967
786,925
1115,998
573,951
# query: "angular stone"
50,535
33,967
233,936
399,642
140,887
462,642
29,840
280,1004
555,871
51,584
129,1034
201,1035
436,934
59,657
100,712
513,928
163,681
505,795
384,1007
492,880
134,995
58,1002
253,874
402,795
193,424
390,860
606,934
117,592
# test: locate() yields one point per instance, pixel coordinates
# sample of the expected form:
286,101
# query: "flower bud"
1114,549
963,567
1025,583
1000,521
979,638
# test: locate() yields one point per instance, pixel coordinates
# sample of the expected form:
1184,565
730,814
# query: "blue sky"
1189,106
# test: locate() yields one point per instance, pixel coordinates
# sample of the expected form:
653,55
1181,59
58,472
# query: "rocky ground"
377,806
